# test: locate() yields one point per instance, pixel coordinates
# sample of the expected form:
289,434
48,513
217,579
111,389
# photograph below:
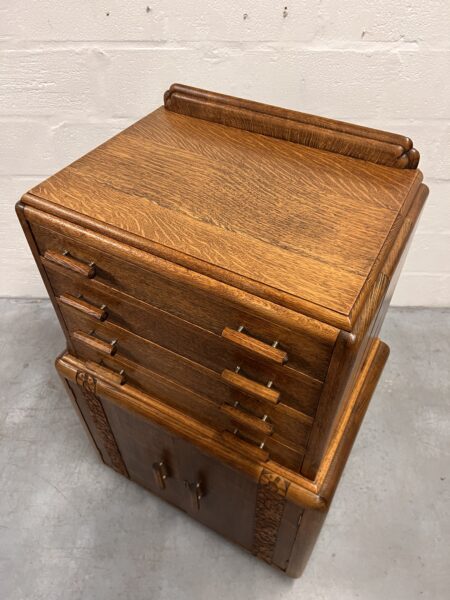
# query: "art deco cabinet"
221,270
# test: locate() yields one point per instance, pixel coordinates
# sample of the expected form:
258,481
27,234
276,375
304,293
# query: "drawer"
306,351
171,333
291,425
194,405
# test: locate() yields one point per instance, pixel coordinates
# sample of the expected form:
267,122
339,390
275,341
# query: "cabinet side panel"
307,533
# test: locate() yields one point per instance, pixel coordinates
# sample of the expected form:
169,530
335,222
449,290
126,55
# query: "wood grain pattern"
96,312
210,306
174,333
286,445
20,212
118,377
310,130
299,393
351,349
69,262
108,347
288,486
248,449
282,215
221,270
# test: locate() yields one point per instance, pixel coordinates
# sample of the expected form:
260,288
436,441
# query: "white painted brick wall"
73,73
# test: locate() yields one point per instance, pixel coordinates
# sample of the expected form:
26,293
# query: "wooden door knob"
160,474
195,493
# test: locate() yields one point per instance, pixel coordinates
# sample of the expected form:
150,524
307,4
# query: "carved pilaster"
270,502
88,385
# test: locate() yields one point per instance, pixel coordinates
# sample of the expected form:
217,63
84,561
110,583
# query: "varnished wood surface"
300,394
292,425
337,453
360,142
221,270
305,224
20,211
308,342
96,312
192,430
228,495
199,393
351,349
255,346
244,420
131,414
252,388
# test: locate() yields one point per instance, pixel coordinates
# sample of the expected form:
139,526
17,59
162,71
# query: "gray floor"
72,528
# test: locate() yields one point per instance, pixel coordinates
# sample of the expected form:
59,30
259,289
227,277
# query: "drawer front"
199,407
106,339
301,351
288,427
121,314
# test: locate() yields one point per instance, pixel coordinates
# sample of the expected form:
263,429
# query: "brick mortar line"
397,46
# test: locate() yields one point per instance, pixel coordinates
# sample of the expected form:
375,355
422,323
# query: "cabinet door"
219,496
253,514
149,453
133,446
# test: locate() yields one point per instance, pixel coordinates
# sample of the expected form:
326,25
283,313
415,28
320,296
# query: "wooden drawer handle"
252,388
64,259
104,373
245,448
97,312
255,346
96,343
244,420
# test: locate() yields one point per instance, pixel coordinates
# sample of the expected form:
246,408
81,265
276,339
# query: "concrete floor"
72,528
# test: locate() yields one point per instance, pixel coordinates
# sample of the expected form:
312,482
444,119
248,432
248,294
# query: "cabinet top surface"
306,222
